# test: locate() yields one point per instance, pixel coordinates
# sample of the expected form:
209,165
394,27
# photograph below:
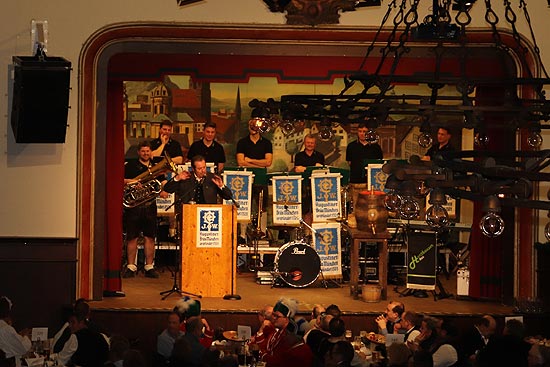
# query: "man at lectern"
199,186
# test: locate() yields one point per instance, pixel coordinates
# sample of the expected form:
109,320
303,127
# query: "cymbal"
232,335
286,203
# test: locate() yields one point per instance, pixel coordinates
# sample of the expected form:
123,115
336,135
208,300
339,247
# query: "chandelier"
493,178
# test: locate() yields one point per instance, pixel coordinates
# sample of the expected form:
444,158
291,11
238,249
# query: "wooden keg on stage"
370,212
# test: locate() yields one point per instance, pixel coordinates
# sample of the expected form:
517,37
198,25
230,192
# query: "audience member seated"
188,350
337,330
118,346
425,341
398,355
188,307
284,348
315,321
80,307
340,354
475,339
166,339
410,324
510,349
257,341
445,352
12,344
85,346
133,358
392,316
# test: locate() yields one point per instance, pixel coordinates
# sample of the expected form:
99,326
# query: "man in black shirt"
443,144
254,150
165,143
141,219
307,158
211,150
358,151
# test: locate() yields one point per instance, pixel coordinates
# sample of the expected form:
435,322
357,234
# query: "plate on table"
232,335
376,338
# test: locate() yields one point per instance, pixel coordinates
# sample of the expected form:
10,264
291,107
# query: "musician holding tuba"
141,218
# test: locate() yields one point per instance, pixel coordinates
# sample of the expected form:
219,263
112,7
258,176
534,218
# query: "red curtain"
114,178
490,258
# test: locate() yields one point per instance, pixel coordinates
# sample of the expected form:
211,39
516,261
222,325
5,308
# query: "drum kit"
297,263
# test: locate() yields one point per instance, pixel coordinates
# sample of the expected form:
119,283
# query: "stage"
143,294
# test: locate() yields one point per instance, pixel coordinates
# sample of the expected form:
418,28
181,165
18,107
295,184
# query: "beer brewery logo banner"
325,193
209,232
287,192
327,244
240,184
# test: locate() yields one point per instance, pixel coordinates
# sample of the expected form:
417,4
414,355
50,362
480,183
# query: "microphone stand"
175,287
232,296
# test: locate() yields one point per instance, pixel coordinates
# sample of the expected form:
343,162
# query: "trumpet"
147,186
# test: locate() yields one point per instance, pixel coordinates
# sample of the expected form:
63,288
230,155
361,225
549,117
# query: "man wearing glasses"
283,348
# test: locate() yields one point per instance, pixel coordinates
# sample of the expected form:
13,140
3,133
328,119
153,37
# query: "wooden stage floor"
143,294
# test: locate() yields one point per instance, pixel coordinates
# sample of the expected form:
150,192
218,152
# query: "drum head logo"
209,221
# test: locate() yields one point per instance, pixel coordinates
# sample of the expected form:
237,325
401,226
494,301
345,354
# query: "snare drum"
298,264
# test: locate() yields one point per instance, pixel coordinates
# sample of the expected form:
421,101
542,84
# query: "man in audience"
410,323
85,347
118,346
339,355
284,348
337,330
393,313
509,349
165,341
192,336
13,345
188,307
315,321
476,338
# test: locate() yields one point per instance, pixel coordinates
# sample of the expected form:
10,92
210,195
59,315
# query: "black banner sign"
421,260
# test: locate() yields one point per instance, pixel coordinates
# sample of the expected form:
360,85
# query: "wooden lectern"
208,256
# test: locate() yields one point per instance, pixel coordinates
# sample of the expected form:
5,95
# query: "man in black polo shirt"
307,158
207,147
358,151
254,150
443,144
165,143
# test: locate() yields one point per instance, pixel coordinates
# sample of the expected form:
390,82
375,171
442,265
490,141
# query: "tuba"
147,186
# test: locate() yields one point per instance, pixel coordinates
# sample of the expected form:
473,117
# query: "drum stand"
175,288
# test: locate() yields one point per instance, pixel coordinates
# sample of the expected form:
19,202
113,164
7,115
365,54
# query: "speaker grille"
40,99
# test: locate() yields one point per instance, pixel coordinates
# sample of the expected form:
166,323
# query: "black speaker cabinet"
40,99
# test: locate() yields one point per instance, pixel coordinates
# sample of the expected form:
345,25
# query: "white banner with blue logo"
325,194
376,177
209,231
287,193
240,184
327,243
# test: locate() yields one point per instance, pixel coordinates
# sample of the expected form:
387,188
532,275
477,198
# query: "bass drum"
298,264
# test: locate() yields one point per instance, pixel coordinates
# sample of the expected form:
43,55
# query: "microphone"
237,205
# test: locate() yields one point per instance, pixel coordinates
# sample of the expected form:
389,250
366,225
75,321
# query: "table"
381,239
